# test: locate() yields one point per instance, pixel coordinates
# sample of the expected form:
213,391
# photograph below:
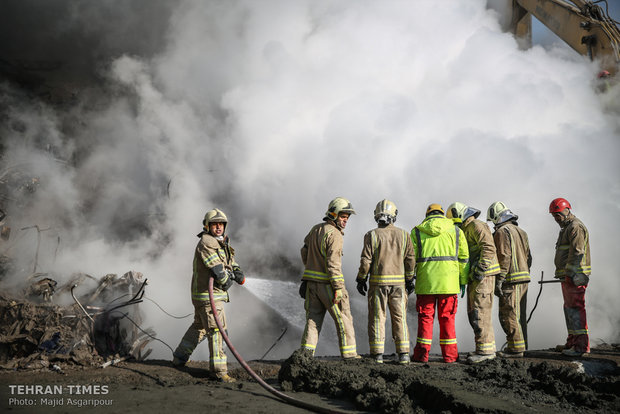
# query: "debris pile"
496,386
101,325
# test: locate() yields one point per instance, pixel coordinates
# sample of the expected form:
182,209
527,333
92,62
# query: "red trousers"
446,312
575,315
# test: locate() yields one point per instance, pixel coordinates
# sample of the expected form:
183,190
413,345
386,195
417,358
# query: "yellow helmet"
434,208
215,216
385,212
460,212
498,213
338,205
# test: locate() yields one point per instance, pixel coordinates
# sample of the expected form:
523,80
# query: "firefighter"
213,258
389,258
322,284
515,261
483,267
441,269
572,266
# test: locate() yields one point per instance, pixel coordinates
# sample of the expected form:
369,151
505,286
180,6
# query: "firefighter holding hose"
213,258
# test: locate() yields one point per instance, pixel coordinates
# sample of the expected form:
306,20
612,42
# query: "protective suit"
323,285
213,258
388,262
441,267
573,267
515,260
481,283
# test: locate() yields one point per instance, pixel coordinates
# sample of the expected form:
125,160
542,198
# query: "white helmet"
338,205
460,212
215,216
499,213
385,212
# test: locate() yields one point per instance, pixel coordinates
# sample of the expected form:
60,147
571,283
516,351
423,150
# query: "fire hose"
286,398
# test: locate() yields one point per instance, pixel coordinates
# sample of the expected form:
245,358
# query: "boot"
178,363
572,352
225,378
403,358
378,358
474,359
508,354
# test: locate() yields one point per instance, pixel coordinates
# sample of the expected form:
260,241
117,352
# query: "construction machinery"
583,25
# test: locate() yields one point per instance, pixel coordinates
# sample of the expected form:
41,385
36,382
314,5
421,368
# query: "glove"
223,277
498,286
410,286
338,295
479,271
361,287
227,284
238,275
302,289
579,279
462,291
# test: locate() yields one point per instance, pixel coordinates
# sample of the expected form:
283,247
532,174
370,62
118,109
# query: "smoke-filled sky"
270,109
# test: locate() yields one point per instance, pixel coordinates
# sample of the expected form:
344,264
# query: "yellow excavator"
583,25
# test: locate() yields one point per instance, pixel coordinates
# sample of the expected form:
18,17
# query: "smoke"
269,110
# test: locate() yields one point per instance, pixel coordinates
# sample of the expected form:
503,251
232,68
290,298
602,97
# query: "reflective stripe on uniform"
211,259
492,270
217,357
449,341
424,341
205,296
388,279
338,318
377,343
321,277
454,258
489,346
517,276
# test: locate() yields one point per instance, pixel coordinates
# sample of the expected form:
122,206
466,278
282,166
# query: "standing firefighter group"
450,252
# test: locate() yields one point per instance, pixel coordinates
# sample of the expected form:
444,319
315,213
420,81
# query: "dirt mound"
496,386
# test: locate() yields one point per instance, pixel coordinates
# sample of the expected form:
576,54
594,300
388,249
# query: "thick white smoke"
270,109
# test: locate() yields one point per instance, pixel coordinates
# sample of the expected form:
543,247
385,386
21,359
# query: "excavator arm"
581,24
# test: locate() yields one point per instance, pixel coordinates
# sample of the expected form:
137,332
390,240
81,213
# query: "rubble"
101,325
548,383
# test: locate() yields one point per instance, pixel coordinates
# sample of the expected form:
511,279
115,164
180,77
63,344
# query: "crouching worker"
213,258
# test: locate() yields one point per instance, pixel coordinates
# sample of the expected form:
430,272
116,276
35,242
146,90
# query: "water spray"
286,398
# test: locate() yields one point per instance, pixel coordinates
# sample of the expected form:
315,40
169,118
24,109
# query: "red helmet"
558,205
603,74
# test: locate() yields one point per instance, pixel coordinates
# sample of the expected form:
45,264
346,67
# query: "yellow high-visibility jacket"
441,256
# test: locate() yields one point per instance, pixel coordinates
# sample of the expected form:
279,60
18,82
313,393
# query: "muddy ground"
543,382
